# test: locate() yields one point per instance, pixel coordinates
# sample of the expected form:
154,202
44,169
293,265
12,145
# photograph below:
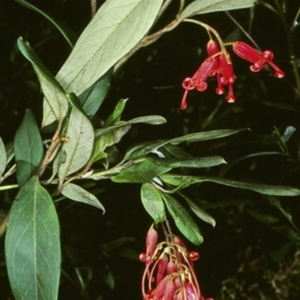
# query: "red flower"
169,272
258,59
219,64
198,81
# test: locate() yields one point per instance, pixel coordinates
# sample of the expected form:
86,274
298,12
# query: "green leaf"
147,147
77,193
106,140
141,171
205,136
61,27
32,245
116,115
111,34
92,98
195,162
153,202
152,120
55,104
183,220
28,148
199,212
207,6
2,157
272,190
78,148
177,152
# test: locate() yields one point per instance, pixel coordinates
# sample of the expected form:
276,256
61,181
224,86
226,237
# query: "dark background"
237,256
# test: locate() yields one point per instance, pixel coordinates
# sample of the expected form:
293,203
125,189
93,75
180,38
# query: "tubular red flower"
198,81
258,59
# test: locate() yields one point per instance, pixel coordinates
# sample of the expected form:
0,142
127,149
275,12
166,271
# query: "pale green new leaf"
55,103
153,202
116,115
79,194
28,147
32,245
115,29
78,148
207,6
2,157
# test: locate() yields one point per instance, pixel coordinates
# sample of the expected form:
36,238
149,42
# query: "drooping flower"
219,64
169,273
258,59
198,81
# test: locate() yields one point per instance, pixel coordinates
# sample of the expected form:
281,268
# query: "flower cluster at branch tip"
169,271
219,64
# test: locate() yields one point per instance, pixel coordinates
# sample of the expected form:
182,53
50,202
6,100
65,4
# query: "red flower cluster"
169,272
219,64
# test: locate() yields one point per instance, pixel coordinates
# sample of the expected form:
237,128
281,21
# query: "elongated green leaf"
113,32
153,202
78,148
196,162
205,136
207,6
92,98
2,157
61,27
116,115
32,245
141,171
183,220
77,193
55,104
272,190
28,148
147,147
200,213
152,120
177,152
107,140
